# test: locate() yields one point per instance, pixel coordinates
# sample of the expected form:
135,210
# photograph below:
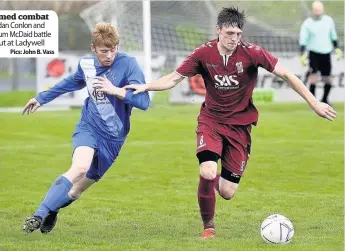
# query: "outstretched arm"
188,68
164,83
71,83
322,109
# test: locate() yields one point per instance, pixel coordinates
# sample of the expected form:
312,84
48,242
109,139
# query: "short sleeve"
135,75
264,59
190,65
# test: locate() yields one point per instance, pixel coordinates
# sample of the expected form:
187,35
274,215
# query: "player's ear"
218,29
93,49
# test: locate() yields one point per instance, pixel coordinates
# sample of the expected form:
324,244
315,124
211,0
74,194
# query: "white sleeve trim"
275,66
181,75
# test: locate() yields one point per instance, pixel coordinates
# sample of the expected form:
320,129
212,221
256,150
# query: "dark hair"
231,17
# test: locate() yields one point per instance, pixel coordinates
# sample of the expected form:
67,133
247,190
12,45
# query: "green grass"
147,201
15,98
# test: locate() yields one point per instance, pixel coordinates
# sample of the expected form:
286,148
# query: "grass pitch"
147,201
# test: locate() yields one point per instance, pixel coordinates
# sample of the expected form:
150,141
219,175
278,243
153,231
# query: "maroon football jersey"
229,80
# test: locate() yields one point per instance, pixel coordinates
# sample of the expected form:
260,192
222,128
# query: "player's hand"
304,60
103,84
138,88
31,106
324,110
338,54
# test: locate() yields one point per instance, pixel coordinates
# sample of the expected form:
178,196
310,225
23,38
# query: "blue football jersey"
107,115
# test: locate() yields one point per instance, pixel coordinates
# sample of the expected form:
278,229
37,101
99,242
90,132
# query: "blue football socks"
56,197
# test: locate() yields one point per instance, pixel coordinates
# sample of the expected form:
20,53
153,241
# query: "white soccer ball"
277,229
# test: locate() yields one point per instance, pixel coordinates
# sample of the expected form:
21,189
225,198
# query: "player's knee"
76,172
327,79
208,164
227,193
228,184
208,170
80,169
313,79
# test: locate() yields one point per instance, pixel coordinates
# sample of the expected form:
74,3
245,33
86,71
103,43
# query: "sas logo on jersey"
226,82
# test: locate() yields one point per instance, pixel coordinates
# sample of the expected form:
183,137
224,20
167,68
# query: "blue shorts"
106,151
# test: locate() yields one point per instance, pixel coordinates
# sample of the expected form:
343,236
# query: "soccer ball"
277,229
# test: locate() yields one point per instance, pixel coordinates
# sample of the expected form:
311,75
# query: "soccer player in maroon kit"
229,67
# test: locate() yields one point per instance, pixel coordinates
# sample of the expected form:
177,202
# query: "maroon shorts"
230,142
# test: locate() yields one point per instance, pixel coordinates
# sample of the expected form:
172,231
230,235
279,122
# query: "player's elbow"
145,102
282,72
145,106
172,80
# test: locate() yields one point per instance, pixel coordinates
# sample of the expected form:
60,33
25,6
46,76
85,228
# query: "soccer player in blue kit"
104,122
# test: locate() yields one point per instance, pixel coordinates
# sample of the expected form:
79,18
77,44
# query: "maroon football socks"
207,200
216,182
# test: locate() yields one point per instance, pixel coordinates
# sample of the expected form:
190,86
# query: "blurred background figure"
318,36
